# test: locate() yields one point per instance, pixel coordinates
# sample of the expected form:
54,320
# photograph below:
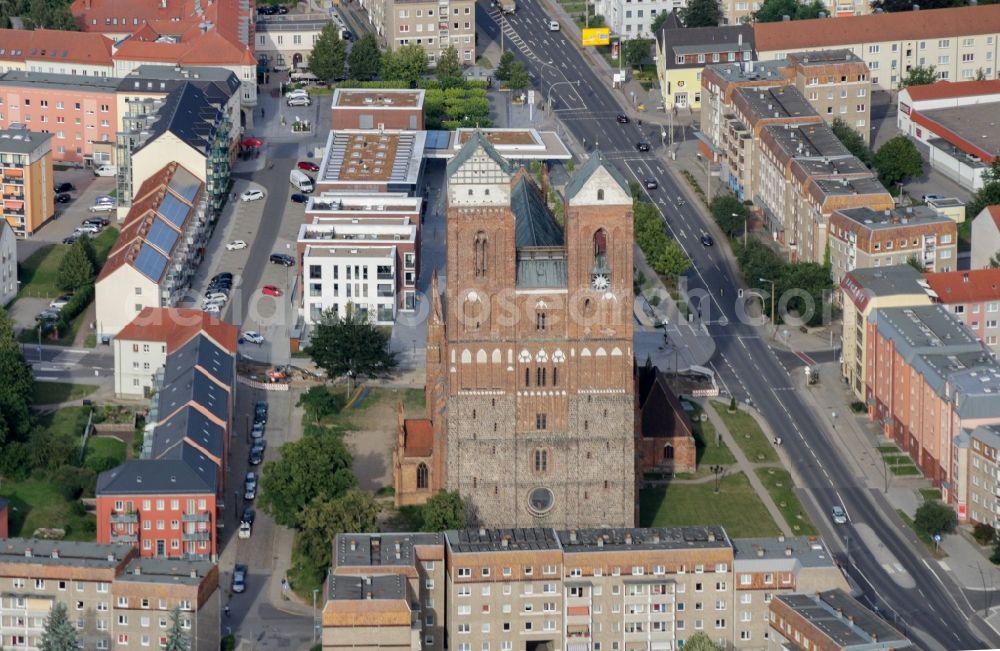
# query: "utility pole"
773,325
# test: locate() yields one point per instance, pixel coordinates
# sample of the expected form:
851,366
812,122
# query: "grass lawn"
708,453
748,434
36,503
104,446
899,464
39,271
66,422
930,494
888,449
414,401
103,244
736,507
48,393
779,484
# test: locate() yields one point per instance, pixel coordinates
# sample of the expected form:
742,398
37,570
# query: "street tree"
351,345
851,139
898,160
408,63
59,633
702,13
502,71
660,21
773,11
75,269
701,642
919,76
518,79
449,69
671,260
355,511
177,640
995,556
319,402
729,213
329,54
995,261
989,194
934,517
365,58
314,467
444,510
636,51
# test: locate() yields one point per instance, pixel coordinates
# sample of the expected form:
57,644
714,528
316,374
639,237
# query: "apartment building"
927,378
369,108
56,52
434,26
78,111
9,283
286,41
349,208
862,291
116,599
985,237
28,179
366,161
958,42
579,589
682,54
862,237
142,346
630,20
158,249
370,267
976,468
831,620
973,297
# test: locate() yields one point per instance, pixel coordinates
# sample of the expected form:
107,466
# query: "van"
300,180
553,25
105,170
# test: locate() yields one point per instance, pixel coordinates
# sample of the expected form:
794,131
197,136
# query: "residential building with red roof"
159,248
973,297
958,42
985,237
56,51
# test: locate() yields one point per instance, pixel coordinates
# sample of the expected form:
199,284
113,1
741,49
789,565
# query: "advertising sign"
596,36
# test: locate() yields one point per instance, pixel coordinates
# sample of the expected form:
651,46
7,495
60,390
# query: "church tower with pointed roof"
529,352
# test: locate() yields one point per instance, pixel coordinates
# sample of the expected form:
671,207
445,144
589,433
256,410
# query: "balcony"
197,536
124,518
128,538
204,516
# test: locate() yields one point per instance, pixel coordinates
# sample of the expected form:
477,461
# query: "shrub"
935,517
984,534
858,407
72,481
228,643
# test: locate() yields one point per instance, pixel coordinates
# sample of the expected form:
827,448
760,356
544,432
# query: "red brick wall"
3,521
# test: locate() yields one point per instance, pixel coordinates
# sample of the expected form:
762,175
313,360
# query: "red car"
270,290
307,166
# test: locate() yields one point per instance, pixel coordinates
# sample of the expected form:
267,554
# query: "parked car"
63,198
257,431
71,239
236,245
104,198
282,258
239,578
839,515
252,337
642,146
250,486
256,456
271,290
260,411
47,315
97,221
930,197
308,166
102,207
88,229
212,309
64,187
706,240
249,515
650,183
297,92
281,10
223,274
622,118
105,170
245,530
251,195
298,197
553,25
219,295
60,303
298,100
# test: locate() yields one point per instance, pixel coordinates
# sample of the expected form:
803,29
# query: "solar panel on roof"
150,263
185,185
162,236
173,210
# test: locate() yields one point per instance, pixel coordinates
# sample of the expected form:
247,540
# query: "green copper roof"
534,224
587,170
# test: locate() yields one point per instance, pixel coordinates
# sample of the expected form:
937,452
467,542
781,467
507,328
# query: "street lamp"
315,592
745,223
773,326
718,471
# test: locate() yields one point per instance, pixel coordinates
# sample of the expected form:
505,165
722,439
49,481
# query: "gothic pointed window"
422,476
600,273
479,254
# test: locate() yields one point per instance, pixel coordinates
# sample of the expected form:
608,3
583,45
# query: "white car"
236,245
105,170
838,515
219,302
253,337
251,195
297,92
299,100
245,530
553,25
89,229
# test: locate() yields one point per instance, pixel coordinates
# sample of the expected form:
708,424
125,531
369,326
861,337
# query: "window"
944,60
422,474
541,460
540,321
479,251
540,421
873,49
944,43
465,571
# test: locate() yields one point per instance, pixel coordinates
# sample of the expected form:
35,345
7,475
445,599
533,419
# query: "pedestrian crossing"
510,35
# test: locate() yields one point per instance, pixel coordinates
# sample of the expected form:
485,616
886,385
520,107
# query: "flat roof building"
831,620
377,108
372,161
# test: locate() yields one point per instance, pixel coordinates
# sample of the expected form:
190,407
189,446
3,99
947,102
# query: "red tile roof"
876,28
55,46
96,16
176,326
945,89
972,286
995,214
419,437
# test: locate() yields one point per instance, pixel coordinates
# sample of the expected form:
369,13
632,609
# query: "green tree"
76,269
989,194
59,633
915,263
177,640
898,160
852,140
355,511
365,58
502,71
636,51
995,261
729,213
314,467
408,63
671,259
449,69
444,510
984,533
87,244
702,13
773,11
351,345
935,517
660,20
701,642
995,556
318,403
518,79
919,76
329,54
16,389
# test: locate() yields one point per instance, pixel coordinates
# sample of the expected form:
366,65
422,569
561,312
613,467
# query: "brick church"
530,387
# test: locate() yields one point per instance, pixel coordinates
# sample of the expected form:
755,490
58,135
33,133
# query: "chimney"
760,552
27,552
739,41
788,551
711,536
781,537
656,538
111,558
545,181
840,612
874,637
194,574
369,595
368,580
850,618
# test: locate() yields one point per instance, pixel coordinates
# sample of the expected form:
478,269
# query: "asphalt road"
59,363
930,612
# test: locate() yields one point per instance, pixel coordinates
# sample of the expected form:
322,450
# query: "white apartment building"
959,42
433,25
288,40
635,19
8,263
369,266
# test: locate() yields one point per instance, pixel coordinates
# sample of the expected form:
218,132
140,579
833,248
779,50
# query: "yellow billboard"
596,36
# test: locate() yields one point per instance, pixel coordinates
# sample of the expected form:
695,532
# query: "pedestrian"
226,609
262,114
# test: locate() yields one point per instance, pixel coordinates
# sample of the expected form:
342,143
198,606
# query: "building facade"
115,599
28,179
56,52
630,20
831,620
9,284
664,437
973,297
434,26
985,237
682,54
286,41
361,108
532,413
